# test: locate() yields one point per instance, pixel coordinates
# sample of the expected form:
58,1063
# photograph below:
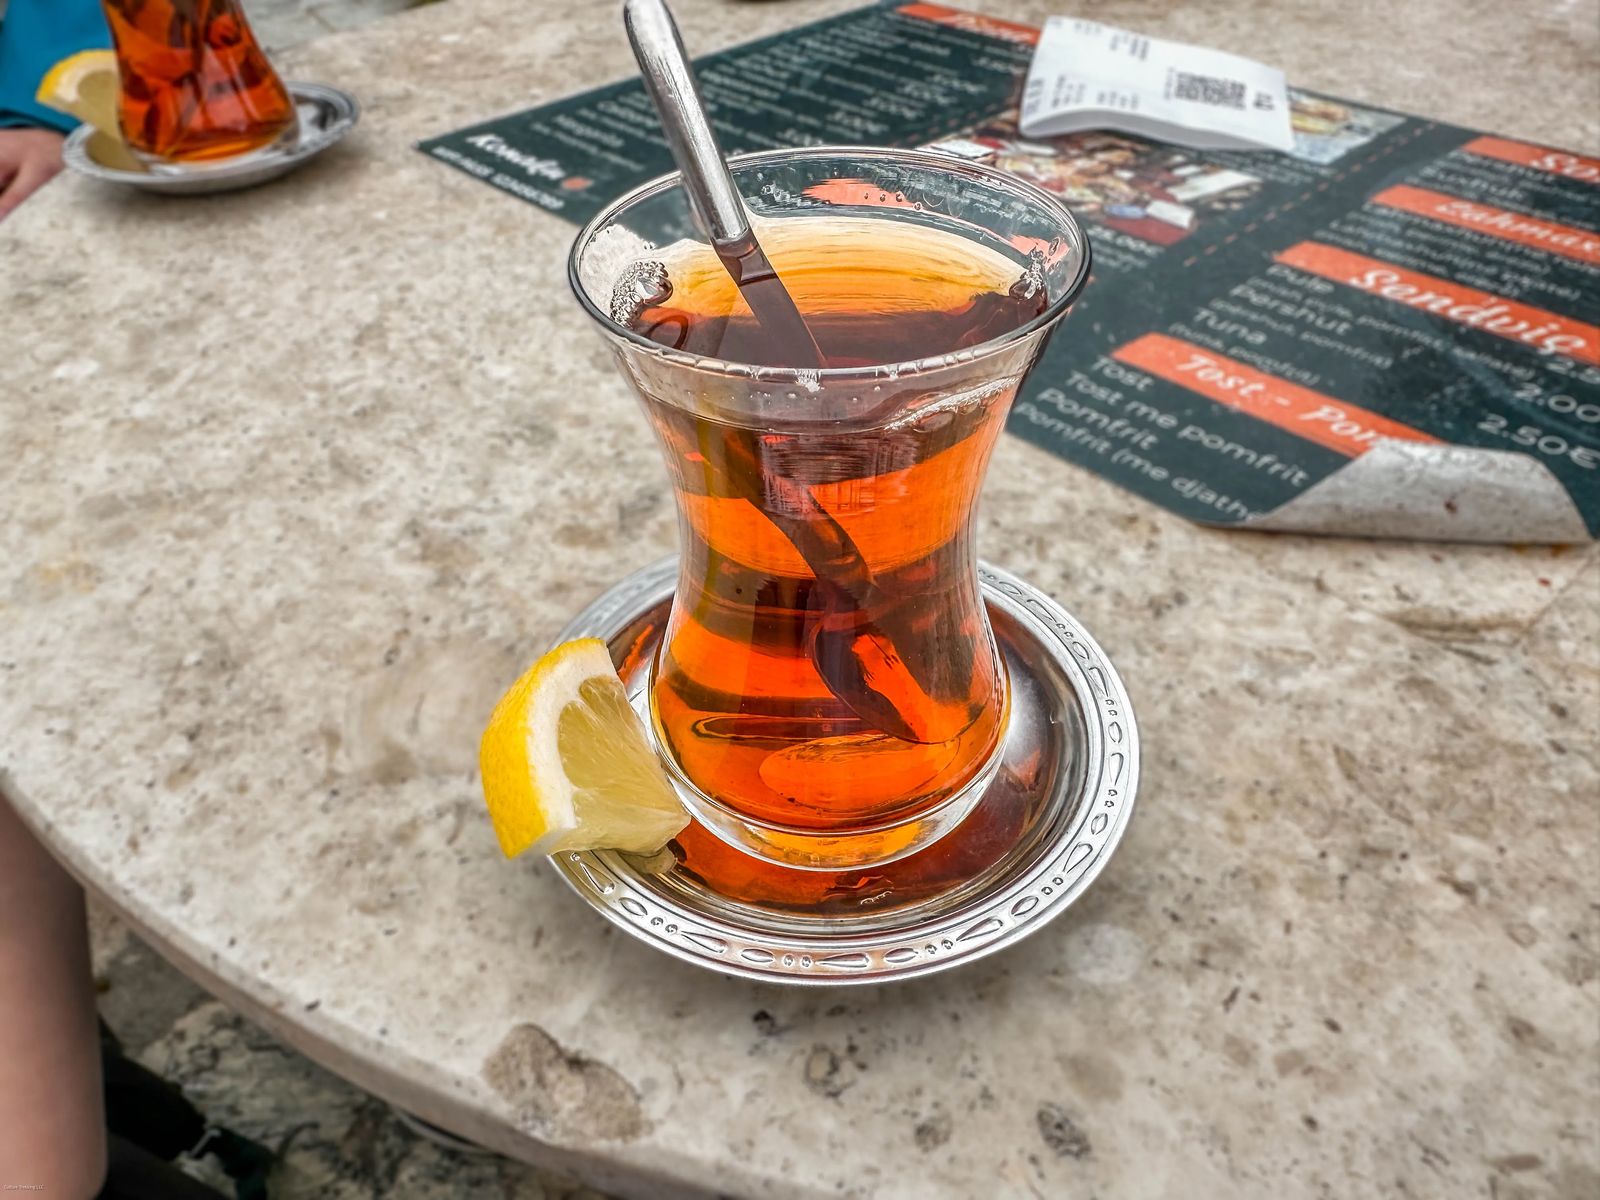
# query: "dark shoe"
133,1173
154,1123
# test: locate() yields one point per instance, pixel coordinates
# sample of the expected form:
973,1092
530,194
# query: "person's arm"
34,36
52,1115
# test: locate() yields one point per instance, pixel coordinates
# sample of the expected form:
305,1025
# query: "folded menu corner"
1433,492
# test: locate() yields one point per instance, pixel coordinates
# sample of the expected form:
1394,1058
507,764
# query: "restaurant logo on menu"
536,167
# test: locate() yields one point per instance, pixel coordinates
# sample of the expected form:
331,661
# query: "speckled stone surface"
295,481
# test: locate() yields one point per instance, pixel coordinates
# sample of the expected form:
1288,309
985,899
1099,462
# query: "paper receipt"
1086,75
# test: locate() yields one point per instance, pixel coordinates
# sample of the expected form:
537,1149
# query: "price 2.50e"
1552,444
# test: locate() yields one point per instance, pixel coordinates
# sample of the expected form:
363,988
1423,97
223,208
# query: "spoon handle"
715,202
670,80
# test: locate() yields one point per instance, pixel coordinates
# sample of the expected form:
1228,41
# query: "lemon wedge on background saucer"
567,765
85,86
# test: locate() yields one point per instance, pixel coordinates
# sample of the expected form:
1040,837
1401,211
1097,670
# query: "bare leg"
52,1120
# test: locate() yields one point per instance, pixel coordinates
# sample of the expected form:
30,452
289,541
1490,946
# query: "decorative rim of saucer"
748,942
341,113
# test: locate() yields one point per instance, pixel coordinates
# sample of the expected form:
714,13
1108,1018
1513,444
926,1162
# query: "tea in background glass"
196,87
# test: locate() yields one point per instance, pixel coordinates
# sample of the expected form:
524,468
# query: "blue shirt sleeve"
35,35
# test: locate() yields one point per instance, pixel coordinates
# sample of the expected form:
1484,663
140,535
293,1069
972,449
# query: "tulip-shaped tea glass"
828,692
196,87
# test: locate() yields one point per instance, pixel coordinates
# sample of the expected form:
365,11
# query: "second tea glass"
196,87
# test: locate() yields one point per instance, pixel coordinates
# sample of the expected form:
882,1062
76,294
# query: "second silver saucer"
326,114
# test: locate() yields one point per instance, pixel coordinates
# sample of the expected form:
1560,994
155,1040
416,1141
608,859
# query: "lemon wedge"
85,86
566,764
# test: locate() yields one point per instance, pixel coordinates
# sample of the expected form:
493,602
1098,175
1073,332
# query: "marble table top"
294,481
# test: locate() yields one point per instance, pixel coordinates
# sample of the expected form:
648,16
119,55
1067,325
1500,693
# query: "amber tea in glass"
828,691
196,87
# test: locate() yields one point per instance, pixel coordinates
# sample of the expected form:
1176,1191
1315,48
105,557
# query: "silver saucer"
1044,830
326,115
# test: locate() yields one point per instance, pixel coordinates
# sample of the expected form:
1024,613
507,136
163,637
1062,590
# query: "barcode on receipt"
1208,89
